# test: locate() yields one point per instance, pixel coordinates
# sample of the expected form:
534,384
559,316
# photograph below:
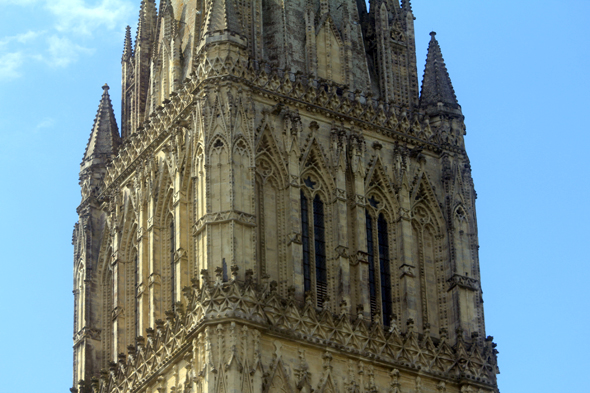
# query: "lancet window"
313,231
379,265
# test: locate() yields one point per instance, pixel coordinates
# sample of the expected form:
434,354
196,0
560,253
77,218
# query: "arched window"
378,252
172,264
317,231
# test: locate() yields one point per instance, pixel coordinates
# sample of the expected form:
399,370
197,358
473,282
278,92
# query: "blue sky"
520,70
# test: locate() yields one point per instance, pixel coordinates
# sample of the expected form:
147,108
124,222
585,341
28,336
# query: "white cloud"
18,2
76,16
60,45
20,38
62,51
48,122
10,65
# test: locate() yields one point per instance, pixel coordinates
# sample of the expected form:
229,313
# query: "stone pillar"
294,241
342,263
409,284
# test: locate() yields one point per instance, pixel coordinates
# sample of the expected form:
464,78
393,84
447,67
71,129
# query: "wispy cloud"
20,38
60,44
10,65
61,51
48,122
19,2
76,16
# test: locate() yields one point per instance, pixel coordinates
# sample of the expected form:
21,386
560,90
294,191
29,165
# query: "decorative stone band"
335,101
261,309
223,217
86,333
464,282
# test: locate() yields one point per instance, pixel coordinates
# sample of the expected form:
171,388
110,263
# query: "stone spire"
128,48
104,139
436,85
222,17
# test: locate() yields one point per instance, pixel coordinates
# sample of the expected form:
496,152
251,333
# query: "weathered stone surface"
282,211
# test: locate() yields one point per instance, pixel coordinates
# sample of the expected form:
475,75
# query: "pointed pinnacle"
436,85
104,138
222,17
127,47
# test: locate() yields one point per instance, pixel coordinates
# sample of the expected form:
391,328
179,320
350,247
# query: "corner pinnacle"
127,47
104,138
436,85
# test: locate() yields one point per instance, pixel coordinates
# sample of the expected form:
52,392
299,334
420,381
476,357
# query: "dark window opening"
371,260
305,241
320,250
385,276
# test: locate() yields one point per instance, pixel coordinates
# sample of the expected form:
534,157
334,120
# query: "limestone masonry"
283,209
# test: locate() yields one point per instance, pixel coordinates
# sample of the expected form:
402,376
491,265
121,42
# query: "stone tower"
283,210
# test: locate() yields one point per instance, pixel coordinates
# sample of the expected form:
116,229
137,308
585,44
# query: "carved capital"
139,233
116,312
154,279
180,254
361,201
294,237
140,290
342,252
405,214
359,257
407,270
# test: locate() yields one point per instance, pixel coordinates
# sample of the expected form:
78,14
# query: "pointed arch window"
379,261
314,254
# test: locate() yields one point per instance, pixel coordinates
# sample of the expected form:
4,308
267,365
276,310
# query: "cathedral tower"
283,210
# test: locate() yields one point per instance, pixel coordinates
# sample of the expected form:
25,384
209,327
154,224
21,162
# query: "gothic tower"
283,210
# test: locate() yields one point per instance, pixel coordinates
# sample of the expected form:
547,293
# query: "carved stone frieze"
464,282
224,217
